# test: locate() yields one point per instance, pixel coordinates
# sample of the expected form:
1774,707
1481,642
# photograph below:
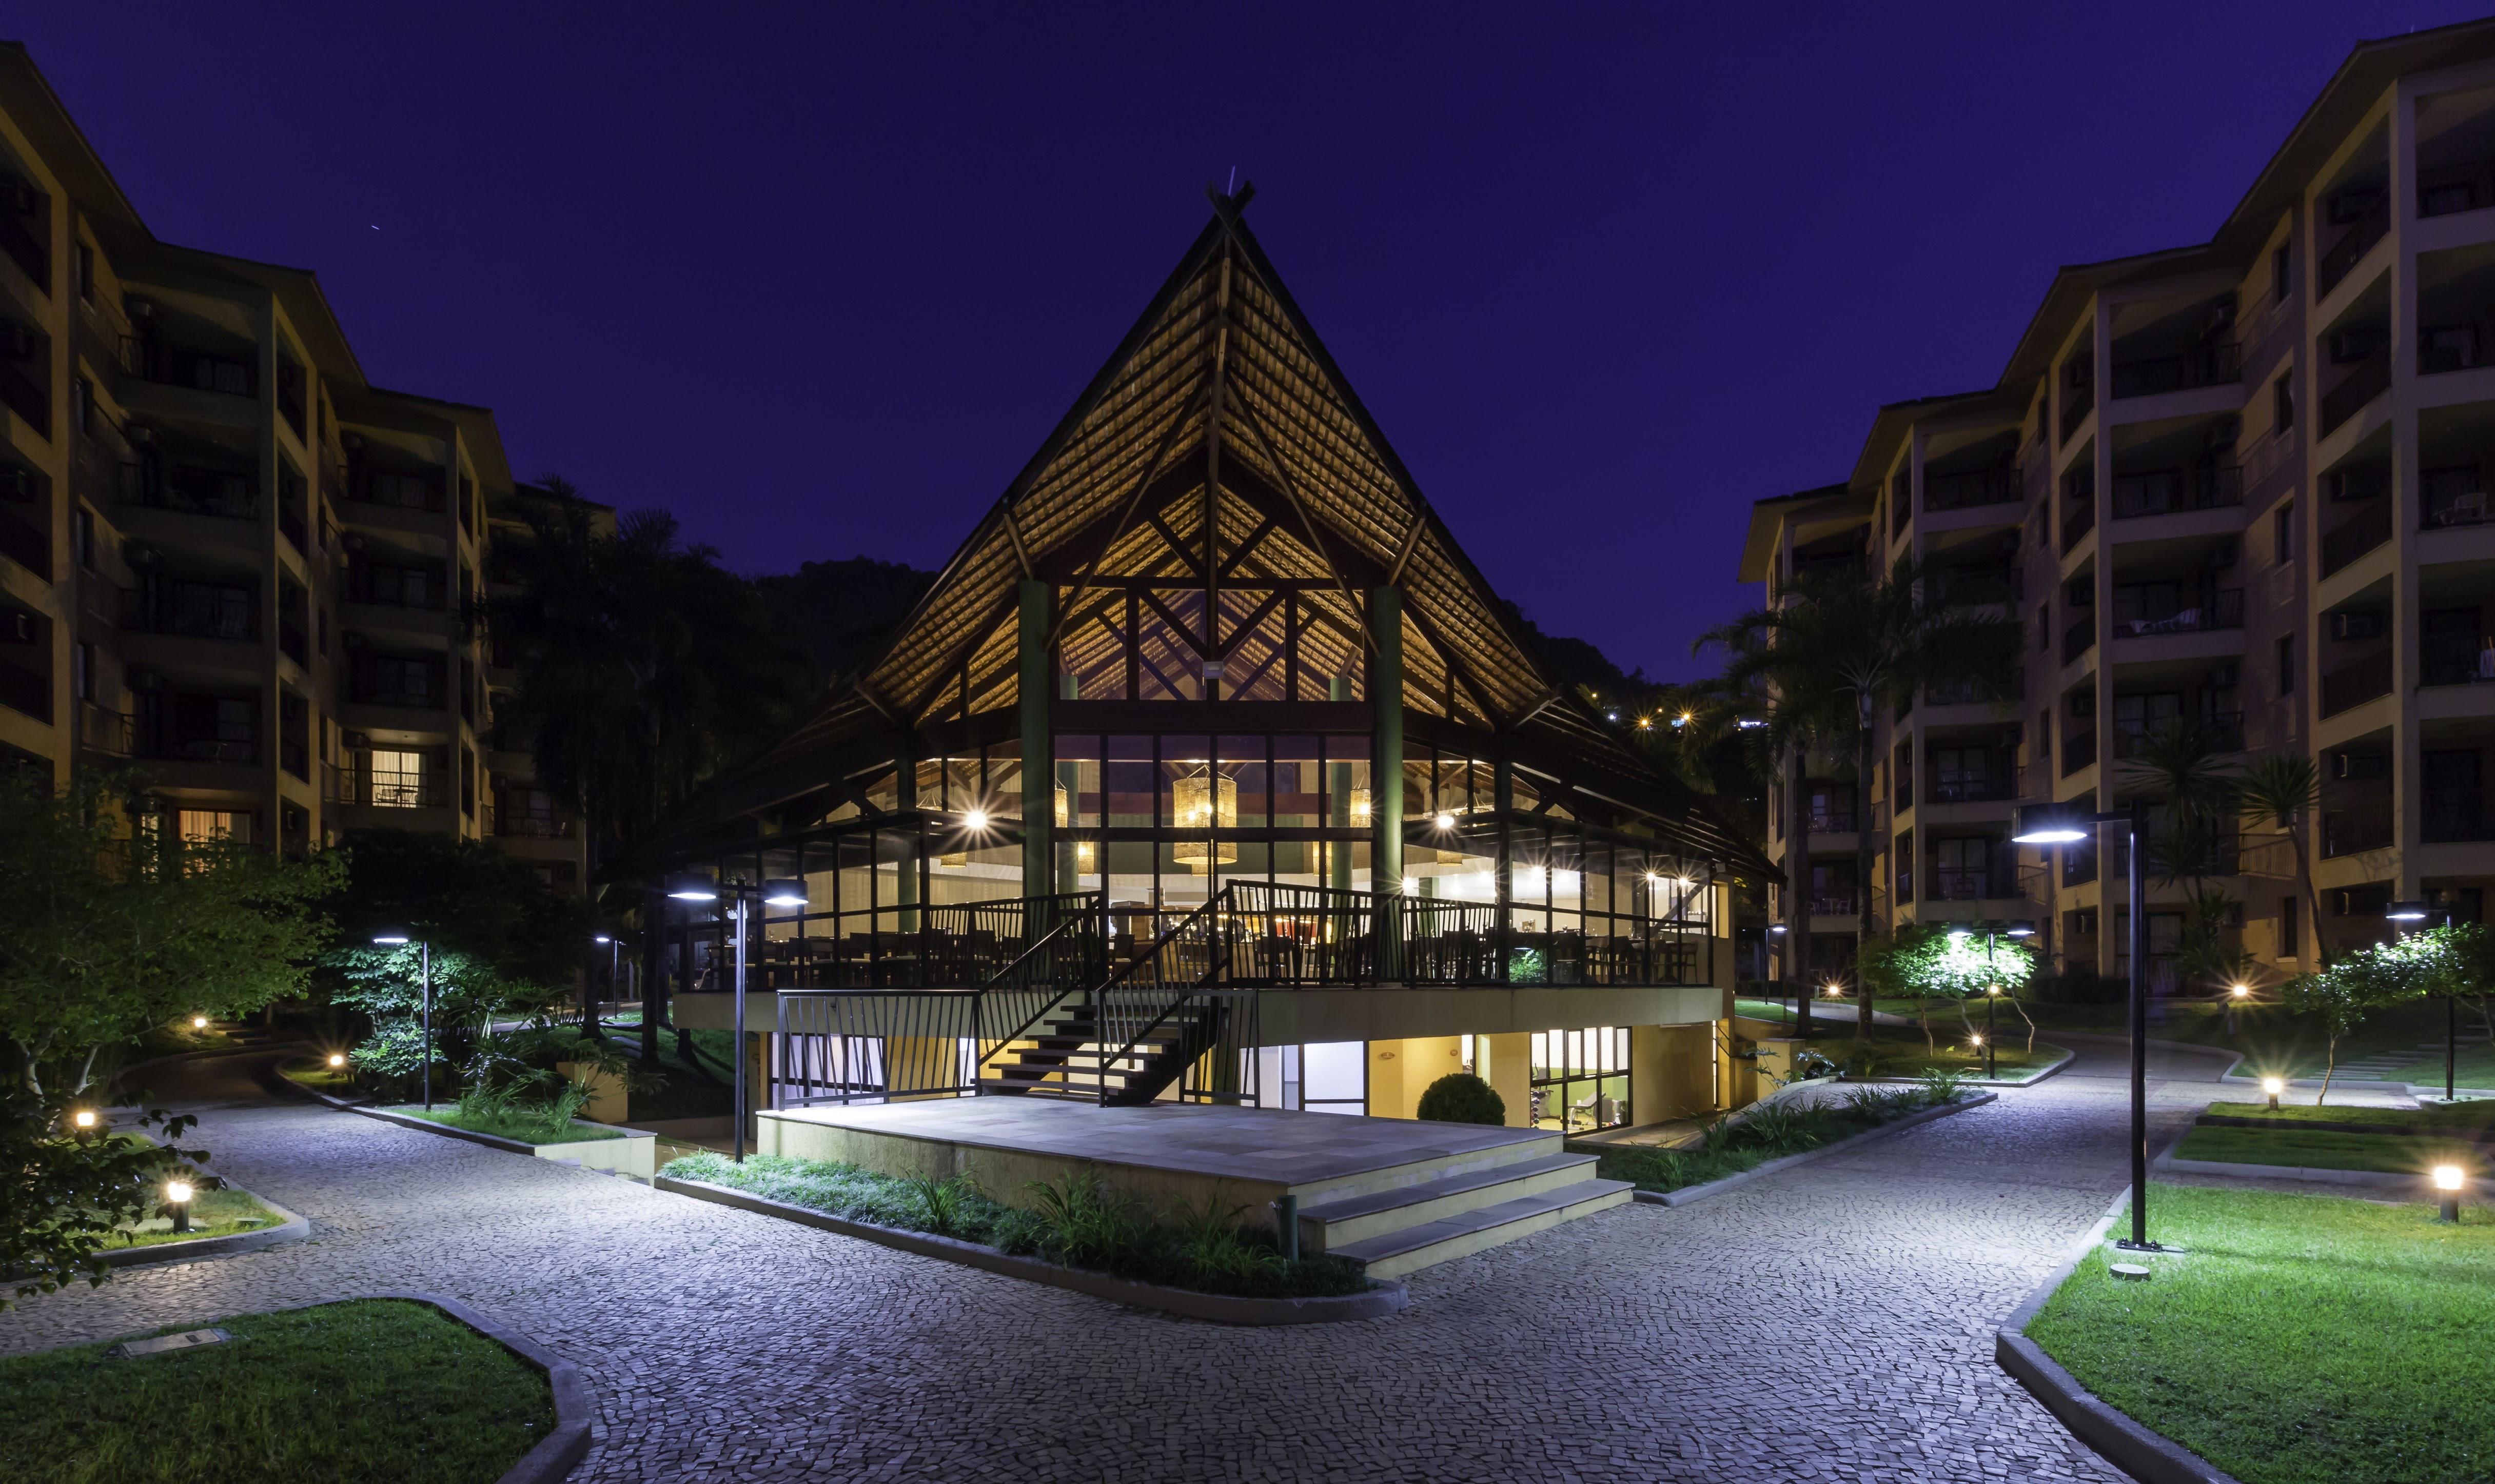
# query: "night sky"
819,278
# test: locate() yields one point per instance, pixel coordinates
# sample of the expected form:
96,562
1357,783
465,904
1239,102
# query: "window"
2281,282
2282,402
83,670
85,263
2282,533
397,779
82,537
467,781
82,404
212,827
1580,1079
2290,919
2287,665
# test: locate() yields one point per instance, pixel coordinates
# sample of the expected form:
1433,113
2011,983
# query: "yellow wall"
1672,1073
1401,1072
1504,1062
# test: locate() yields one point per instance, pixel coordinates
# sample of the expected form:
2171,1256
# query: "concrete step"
1328,1227
1397,1253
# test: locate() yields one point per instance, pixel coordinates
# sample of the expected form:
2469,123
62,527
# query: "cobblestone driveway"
1832,1323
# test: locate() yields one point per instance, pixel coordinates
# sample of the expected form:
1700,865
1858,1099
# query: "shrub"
1941,1083
1461,1098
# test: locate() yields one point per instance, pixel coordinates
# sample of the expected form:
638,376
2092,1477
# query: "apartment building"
227,560
2241,484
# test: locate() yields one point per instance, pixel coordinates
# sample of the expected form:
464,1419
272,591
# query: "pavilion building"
1210,769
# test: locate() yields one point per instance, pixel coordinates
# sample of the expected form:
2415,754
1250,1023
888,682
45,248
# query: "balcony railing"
346,782
192,490
2370,380
1832,821
103,730
2353,684
2078,753
2354,831
2455,815
25,690
1969,488
2077,523
1975,691
21,395
2078,638
527,824
2343,256
1974,586
2199,365
152,360
2221,610
2449,189
1960,884
2366,530
26,248
193,610
1843,904
2222,730
234,750
2448,507
2077,403
1970,786
2455,659
2166,491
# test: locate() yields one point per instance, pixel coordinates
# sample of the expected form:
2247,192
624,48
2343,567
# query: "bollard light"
337,1059
2273,1086
199,1022
83,1118
2448,1181
2241,991
178,1194
1975,1040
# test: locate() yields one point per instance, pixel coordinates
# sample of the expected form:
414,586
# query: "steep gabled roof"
1221,370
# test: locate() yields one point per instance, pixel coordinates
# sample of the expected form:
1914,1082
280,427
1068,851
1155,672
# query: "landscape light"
1994,990
2405,911
178,1194
974,818
1975,1040
337,1059
2273,1086
2241,991
692,886
783,891
83,1118
2447,1180
2047,824
199,1022
1835,992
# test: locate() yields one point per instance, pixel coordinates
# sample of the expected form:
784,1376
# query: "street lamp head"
1776,927
2048,825
390,939
1975,1040
2405,911
693,887
2023,928
783,891
601,939
2447,1177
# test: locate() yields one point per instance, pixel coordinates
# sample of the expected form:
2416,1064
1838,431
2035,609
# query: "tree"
1926,961
2285,790
2371,979
1838,646
103,935
64,1191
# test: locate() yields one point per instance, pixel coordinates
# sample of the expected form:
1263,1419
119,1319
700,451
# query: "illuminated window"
397,779
208,826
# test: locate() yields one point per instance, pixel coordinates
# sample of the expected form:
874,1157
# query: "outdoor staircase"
2382,1064
1065,1055
1396,1221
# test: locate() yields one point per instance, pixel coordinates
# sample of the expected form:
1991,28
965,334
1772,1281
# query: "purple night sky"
819,278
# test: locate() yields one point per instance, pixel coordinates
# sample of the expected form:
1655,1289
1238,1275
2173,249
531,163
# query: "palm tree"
1841,645
2285,790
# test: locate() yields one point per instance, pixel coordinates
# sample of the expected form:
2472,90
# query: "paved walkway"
1831,1322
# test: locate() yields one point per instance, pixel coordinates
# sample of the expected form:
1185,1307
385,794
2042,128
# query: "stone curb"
2067,1056
489,1140
1687,1194
279,1082
2167,1161
1389,1296
2148,1456
289,1228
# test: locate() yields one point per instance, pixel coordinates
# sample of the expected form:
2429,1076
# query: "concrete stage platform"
1396,1192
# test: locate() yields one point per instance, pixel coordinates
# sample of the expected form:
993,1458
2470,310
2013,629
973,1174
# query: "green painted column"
1033,683
1069,777
1386,784
1338,786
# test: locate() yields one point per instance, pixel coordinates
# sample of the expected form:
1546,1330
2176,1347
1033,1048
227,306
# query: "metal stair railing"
1172,995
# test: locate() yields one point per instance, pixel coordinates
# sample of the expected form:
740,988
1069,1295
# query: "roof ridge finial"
1228,203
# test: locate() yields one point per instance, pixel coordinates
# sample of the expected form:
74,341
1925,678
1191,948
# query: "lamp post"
778,891
2421,911
424,971
2064,824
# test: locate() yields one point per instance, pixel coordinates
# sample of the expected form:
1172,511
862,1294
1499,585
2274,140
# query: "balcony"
1976,586
2343,256
193,610
2450,189
1971,487
2361,533
2455,659
2370,380
244,750
2353,684
289,644
19,240
1833,821
25,545
1834,905
2077,403
2222,730
2356,830
103,730
2080,752
2201,365
1954,883
1977,692
2078,638
527,824
2443,348
19,394
152,360
346,782
25,690
2077,524
2455,815
192,491
2169,490
2221,610
1970,786
2447,506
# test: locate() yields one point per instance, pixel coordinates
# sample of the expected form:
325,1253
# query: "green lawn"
213,1214
2326,1150
1731,1146
2458,1118
319,1075
379,1391
2302,1339
527,1130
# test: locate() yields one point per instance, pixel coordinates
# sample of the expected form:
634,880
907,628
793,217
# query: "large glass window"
1581,1079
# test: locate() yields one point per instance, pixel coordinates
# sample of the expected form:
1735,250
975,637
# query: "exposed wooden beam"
1013,533
1143,483
1403,552
1290,492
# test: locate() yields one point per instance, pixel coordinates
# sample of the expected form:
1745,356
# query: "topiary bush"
1461,1098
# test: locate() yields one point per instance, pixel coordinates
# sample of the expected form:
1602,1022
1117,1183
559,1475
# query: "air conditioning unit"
140,554
145,681
17,628
351,640
2357,624
2355,765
